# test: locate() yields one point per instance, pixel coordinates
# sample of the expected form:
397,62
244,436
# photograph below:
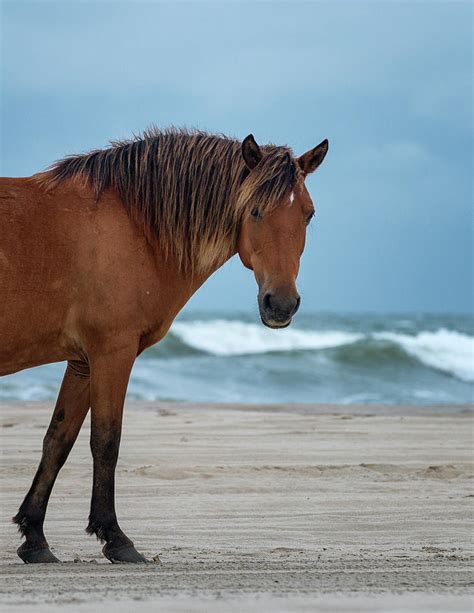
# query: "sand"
281,508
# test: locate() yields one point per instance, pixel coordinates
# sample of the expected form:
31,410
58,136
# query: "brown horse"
98,255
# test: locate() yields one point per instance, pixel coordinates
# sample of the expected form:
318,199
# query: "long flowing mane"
188,188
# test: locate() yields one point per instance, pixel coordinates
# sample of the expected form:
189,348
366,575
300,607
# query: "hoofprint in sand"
338,508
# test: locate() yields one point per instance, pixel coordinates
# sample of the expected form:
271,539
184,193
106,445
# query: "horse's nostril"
267,301
297,305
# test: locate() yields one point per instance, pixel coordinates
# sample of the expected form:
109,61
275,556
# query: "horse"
99,253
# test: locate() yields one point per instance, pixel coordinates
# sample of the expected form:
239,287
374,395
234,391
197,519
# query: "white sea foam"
223,337
445,350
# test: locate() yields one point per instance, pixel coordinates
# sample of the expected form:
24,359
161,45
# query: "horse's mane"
189,188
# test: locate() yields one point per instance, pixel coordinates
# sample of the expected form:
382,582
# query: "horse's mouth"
275,325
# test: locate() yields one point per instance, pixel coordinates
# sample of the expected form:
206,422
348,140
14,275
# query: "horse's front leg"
71,408
110,373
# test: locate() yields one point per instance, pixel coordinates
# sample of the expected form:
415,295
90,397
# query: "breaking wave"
226,338
444,350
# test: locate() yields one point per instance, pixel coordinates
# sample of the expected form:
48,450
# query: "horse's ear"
310,160
251,152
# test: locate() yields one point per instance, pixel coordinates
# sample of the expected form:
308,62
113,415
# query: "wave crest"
227,338
444,350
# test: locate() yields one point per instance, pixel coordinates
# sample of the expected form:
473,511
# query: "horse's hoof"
127,554
36,555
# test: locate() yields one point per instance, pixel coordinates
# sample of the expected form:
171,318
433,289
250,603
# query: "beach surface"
269,508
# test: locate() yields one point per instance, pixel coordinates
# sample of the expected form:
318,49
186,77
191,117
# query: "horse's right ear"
310,160
251,152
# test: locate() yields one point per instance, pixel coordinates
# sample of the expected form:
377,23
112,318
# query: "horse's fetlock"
105,529
21,521
97,530
28,521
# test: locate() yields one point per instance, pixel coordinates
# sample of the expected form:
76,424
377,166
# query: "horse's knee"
105,445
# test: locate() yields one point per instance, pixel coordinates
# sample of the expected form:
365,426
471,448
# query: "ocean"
410,359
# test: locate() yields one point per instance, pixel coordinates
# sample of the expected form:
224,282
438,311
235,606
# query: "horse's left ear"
310,160
251,152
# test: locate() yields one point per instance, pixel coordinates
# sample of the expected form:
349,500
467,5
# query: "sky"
388,83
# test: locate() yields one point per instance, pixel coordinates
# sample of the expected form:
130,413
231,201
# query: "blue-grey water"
420,359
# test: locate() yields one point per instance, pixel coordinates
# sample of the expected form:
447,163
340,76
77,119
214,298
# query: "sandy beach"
275,508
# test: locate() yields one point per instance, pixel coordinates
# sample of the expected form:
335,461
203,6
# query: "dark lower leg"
109,380
71,408
102,518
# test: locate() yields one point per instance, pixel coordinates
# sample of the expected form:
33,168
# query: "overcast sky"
388,83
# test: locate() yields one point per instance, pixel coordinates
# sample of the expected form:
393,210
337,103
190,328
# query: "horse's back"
31,274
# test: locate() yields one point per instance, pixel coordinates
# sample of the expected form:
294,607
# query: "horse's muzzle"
277,310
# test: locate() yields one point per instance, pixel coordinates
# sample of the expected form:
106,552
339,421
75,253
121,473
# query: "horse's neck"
168,292
207,258
181,281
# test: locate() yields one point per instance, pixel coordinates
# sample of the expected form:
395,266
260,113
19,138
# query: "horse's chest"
151,338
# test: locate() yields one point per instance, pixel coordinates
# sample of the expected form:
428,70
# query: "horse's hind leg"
71,408
109,379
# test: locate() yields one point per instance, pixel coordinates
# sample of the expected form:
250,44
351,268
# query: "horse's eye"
255,213
310,217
